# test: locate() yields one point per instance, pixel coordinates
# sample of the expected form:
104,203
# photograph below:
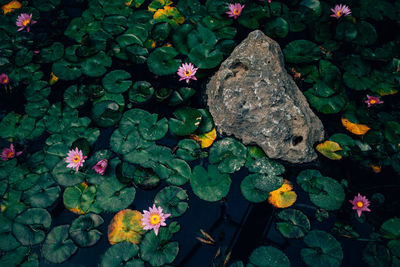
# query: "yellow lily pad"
205,140
126,226
13,5
328,149
170,15
53,79
357,129
283,197
157,4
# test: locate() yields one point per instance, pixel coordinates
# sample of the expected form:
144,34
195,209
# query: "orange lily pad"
170,15
328,149
283,197
13,5
376,168
126,226
357,129
205,140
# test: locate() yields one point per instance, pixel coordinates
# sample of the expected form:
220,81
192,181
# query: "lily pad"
114,196
66,176
186,122
324,249
83,230
229,154
117,81
141,92
157,251
188,149
162,61
256,187
391,228
293,223
210,185
80,199
181,172
29,226
122,254
324,192
58,247
172,200
269,256
301,51
126,226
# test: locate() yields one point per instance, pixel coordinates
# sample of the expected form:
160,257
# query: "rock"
253,98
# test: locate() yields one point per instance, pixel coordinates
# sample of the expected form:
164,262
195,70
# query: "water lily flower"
75,159
24,21
10,7
9,153
340,10
154,218
360,203
4,78
187,71
235,10
101,166
373,100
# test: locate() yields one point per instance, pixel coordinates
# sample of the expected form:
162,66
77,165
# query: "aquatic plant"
235,10
24,21
360,203
340,10
75,159
154,218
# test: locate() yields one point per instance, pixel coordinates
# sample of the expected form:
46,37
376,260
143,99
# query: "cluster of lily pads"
111,94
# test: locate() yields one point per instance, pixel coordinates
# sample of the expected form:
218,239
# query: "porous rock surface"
253,98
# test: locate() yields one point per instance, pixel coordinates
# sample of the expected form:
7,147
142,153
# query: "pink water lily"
101,166
4,78
9,153
154,218
187,71
373,100
75,159
235,10
340,10
360,203
24,21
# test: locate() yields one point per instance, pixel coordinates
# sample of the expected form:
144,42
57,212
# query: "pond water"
116,65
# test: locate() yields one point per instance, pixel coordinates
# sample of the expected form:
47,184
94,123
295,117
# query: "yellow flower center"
339,14
236,11
5,80
76,159
155,219
26,22
372,101
360,204
187,73
10,154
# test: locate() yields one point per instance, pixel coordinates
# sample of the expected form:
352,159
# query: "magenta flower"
154,218
235,10
9,153
373,100
340,10
187,72
75,159
101,166
4,78
360,203
24,21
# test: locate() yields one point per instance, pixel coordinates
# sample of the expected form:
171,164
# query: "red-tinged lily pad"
126,226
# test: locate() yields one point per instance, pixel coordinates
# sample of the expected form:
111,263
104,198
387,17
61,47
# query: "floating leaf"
80,199
126,226
113,196
170,15
283,197
188,150
181,172
122,254
186,122
358,129
256,187
162,61
58,247
229,153
269,256
117,81
375,254
141,92
11,6
328,149
324,249
172,200
66,176
293,223
205,140
301,51
83,230
391,228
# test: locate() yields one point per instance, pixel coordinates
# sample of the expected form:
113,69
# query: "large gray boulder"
253,98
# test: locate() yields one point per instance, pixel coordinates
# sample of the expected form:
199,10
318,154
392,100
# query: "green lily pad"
122,254
95,66
301,51
151,129
172,200
66,70
181,96
278,27
186,122
106,113
114,196
391,228
141,92
269,256
264,165
256,187
145,178
157,251
229,154
80,199
117,81
375,254
210,185
52,53
188,149
124,144
7,239
83,230
74,96
14,257
181,172
324,249
162,61
205,56
29,226
66,176
58,247
293,223
324,192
